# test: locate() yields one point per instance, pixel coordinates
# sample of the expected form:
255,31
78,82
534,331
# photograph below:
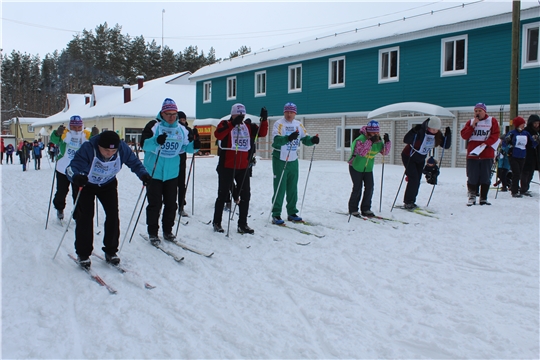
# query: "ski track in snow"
462,286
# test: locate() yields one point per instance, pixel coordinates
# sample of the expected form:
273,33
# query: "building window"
260,83
350,135
389,65
231,88
30,129
207,92
454,56
529,48
336,72
295,78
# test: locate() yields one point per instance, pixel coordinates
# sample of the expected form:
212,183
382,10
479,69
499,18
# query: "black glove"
264,114
417,128
315,140
60,130
80,179
146,179
161,139
375,138
447,131
196,144
247,121
293,136
237,120
386,138
95,131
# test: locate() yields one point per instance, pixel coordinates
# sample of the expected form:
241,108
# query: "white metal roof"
409,109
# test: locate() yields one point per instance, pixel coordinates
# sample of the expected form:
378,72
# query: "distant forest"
34,87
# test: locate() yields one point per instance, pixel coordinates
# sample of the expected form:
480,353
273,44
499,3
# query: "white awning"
408,110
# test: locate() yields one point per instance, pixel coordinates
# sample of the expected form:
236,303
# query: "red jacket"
489,139
227,157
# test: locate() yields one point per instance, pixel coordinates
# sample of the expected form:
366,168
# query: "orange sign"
204,130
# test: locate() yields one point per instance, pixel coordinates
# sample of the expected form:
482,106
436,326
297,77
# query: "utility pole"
162,22
514,66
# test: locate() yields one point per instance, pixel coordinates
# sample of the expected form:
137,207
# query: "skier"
9,153
420,140
68,142
94,168
482,133
163,139
36,151
234,136
363,151
287,135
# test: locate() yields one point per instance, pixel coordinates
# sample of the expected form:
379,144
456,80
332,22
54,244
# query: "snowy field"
463,285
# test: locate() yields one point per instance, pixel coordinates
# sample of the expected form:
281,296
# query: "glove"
60,130
196,144
146,179
247,121
161,139
375,138
447,132
293,136
315,140
80,180
386,138
95,131
417,128
237,120
264,114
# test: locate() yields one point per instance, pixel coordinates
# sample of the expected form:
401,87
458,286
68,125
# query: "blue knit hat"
373,127
290,107
75,120
168,104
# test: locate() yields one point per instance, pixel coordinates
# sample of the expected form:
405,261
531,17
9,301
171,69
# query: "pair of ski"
179,244
374,219
301,231
94,276
420,211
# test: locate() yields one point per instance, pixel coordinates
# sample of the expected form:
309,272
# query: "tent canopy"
409,109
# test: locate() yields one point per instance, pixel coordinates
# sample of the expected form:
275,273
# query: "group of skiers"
91,160
26,151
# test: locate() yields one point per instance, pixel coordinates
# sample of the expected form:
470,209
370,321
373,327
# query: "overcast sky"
41,27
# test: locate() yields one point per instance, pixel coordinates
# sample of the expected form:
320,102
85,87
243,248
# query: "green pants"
289,185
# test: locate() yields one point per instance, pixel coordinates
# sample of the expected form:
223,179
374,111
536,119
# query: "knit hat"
533,118
518,121
290,107
481,106
373,127
168,104
434,123
431,161
109,140
238,109
182,115
75,120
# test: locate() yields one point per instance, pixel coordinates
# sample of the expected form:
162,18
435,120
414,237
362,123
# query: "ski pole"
440,163
234,174
97,213
50,197
185,190
307,178
193,188
279,184
404,172
130,220
382,177
70,218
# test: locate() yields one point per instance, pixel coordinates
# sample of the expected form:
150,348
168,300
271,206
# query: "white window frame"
388,77
232,87
454,39
333,62
260,81
294,88
339,141
525,47
30,128
207,92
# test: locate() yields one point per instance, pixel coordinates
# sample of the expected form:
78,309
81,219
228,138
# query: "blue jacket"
82,161
517,141
166,168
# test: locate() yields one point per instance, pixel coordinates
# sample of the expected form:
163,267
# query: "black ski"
124,270
94,276
170,253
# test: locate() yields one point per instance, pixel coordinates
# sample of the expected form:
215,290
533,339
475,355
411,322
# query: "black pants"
360,179
413,171
518,178
161,193
84,230
62,188
37,163
9,157
227,177
182,182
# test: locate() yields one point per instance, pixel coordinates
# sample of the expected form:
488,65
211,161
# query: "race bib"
102,172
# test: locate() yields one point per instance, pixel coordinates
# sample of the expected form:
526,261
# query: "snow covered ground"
465,285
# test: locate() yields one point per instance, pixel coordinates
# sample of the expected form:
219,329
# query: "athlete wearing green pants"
287,133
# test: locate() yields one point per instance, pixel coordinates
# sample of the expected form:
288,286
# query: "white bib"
102,172
73,143
427,145
173,143
482,130
240,139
